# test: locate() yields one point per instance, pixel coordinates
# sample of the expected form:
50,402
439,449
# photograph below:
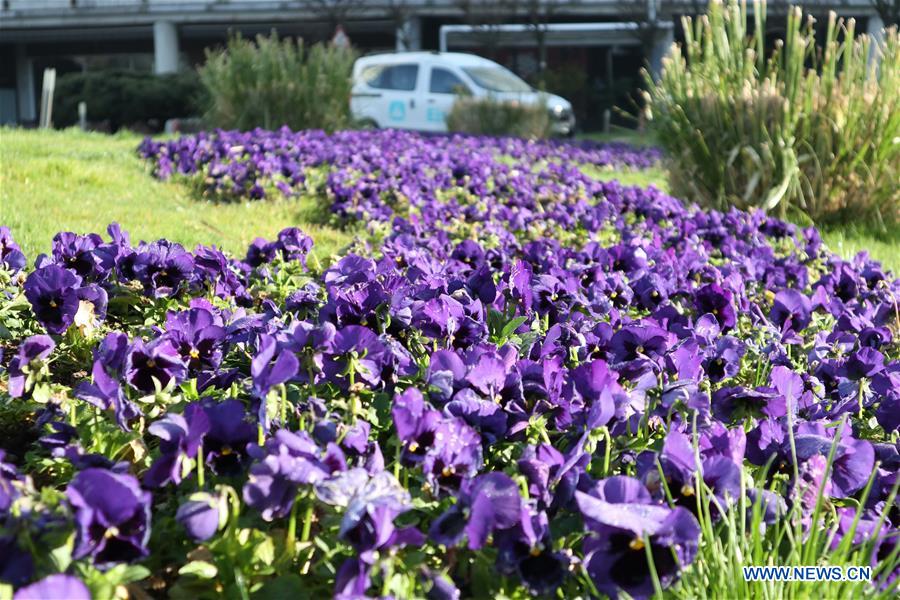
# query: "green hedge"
127,98
491,117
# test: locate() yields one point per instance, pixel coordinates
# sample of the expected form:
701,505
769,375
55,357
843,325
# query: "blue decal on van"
435,114
397,110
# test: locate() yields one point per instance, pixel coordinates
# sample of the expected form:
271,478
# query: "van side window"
445,82
391,77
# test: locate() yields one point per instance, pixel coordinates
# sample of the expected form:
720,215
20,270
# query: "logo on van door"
397,110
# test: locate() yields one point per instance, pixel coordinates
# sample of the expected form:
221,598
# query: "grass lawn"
70,180
620,134
655,176
882,244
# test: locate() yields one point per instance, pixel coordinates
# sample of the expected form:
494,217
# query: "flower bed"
232,164
530,382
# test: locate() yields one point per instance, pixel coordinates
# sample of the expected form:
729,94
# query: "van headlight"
560,113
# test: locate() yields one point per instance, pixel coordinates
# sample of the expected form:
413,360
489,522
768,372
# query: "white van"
416,90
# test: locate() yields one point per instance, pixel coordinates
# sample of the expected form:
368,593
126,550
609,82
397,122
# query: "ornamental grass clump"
810,129
271,82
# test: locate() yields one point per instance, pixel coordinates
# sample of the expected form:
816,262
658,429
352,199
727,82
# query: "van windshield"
497,79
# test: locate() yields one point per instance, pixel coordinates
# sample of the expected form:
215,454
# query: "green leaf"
133,573
264,552
199,568
41,393
510,327
61,556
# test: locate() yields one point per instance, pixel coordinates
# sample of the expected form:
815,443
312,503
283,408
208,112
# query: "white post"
82,115
165,47
47,90
25,98
409,35
662,44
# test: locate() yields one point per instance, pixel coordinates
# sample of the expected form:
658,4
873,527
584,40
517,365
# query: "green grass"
653,176
69,180
881,243
620,134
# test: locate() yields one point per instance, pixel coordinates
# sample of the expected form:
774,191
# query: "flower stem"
860,394
607,450
201,480
290,541
389,573
354,406
307,521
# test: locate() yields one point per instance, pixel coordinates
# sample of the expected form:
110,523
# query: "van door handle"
431,101
412,103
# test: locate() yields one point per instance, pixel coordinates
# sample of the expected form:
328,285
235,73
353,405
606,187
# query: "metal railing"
50,5
62,7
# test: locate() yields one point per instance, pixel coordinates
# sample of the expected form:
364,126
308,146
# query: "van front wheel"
368,124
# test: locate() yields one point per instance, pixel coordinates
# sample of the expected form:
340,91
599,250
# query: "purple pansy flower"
622,521
150,363
526,551
791,310
714,299
370,503
294,244
53,294
356,355
455,455
106,393
230,431
83,254
487,503
11,256
180,437
59,587
112,516
16,563
202,515
198,336
285,462
162,267
28,363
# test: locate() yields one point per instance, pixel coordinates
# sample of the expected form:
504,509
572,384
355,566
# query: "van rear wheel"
368,124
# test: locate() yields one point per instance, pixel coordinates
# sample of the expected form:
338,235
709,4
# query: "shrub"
127,98
488,116
809,130
275,82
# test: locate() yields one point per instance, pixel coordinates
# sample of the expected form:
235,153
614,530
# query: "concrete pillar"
662,44
165,47
875,29
409,35
25,96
